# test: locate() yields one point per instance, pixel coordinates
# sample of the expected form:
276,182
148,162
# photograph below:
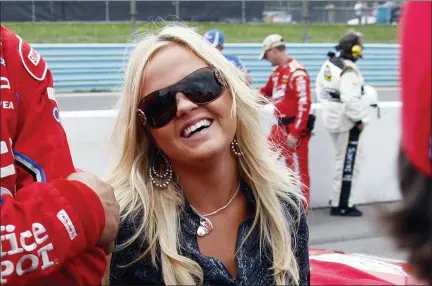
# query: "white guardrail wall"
89,134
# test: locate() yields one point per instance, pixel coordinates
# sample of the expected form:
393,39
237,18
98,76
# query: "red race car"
339,268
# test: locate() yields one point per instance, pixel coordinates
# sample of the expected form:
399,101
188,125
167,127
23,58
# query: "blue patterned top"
236,61
253,267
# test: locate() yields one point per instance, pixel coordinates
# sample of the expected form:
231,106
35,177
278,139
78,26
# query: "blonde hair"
271,182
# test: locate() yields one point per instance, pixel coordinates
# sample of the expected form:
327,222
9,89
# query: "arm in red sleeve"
267,89
300,83
45,225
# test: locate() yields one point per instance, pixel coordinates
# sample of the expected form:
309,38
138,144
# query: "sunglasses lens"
160,109
201,87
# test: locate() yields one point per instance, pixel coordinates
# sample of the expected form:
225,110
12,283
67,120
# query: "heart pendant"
205,227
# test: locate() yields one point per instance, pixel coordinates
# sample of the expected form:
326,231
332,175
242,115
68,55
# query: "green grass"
43,32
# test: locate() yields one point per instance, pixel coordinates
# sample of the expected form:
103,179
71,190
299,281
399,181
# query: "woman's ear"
152,141
143,126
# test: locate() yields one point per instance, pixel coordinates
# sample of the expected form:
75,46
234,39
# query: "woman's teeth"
197,127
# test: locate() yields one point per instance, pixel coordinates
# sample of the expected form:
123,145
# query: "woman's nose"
184,105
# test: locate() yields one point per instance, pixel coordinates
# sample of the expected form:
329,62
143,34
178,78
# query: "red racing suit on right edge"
289,89
49,225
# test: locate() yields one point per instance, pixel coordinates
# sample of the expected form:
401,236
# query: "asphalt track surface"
358,234
354,234
107,100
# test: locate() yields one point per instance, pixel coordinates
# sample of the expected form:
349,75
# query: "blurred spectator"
365,13
375,9
217,39
388,4
358,8
330,12
394,11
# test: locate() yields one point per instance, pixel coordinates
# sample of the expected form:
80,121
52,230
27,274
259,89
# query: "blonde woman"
202,196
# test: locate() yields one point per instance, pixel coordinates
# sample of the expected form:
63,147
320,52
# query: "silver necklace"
206,225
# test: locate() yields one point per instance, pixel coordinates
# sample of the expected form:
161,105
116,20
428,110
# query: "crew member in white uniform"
339,88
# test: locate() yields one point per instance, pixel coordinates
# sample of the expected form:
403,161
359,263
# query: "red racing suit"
49,225
289,89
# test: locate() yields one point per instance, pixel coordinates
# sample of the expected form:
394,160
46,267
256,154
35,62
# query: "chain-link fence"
234,11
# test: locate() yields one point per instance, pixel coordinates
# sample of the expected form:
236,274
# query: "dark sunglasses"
202,86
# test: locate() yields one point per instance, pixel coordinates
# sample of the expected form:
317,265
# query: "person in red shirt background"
289,89
57,225
411,224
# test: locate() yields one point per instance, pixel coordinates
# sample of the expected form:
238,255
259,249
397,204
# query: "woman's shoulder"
297,220
292,205
126,249
299,227
127,265
294,209
128,228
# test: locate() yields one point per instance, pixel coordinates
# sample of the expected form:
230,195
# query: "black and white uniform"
339,88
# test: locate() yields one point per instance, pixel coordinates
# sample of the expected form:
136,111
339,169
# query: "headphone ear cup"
356,51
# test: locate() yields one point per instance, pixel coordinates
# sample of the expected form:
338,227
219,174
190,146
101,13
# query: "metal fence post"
305,21
33,12
133,16
107,11
243,11
177,9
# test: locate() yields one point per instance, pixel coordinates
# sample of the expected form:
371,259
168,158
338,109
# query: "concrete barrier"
89,134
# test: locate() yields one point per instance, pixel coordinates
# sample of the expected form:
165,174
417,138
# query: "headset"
356,51
351,42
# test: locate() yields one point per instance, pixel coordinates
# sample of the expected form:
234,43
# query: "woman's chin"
206,154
